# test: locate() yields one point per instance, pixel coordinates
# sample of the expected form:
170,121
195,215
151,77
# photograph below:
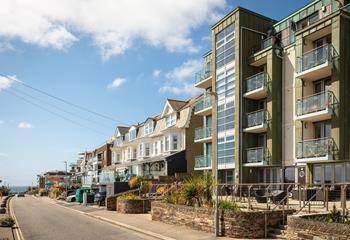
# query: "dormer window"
118,141
171,120
132,135
148,127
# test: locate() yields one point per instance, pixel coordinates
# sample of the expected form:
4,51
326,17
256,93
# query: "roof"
123,129
176,104
192,100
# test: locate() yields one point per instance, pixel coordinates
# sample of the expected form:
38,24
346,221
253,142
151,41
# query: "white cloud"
25,125
181,79
3,154
156,73
117,83
114,26
6,82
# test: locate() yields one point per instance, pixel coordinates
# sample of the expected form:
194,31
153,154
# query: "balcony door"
322,85
321,52
322,129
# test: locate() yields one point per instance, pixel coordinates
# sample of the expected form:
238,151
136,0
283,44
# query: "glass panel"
328,174
317,174
289,175
338,173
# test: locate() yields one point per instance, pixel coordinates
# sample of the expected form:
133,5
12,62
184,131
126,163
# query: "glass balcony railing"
203,104
318,102
256,81
256,118
255,155
314,58
265,43
314,148
202,75
202,133
203,161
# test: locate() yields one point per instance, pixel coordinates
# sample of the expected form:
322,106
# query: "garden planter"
133,206
2,210
3,205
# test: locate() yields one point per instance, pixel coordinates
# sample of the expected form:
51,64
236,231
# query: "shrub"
228,205
56,192
130,197
7,222
135,181
4,191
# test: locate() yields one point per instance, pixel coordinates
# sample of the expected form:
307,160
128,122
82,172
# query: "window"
171,120
134,153
147,149
141,150
148,128
156,148
225,46
118,157
161,146
174,142
132,135
167,143
129,153
118,141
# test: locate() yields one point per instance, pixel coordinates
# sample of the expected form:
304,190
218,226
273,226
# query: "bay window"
175,144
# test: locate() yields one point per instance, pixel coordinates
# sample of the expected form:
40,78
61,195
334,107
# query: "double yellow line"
17,229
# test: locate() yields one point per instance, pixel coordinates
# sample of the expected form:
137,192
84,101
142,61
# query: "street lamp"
65,179
216,177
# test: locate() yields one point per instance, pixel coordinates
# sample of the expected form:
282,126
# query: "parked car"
90,194
71,198
20,194
100,198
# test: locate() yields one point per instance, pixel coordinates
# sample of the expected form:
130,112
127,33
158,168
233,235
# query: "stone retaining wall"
133,206
232,224
304,227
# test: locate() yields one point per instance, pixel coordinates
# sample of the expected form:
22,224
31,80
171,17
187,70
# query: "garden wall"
232,224
133,206
304,227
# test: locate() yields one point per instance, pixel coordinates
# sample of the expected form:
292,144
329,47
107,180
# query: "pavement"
5,233
43,219
138,222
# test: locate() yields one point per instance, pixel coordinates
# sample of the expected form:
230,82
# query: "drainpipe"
240,100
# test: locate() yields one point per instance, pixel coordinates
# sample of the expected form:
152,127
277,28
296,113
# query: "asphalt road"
40,220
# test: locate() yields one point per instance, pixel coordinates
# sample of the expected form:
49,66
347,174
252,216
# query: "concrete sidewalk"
141,223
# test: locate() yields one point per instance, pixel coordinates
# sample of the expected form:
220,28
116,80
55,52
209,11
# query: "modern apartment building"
161,145
280,94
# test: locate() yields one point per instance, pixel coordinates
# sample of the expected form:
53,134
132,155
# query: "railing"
256,118
314,103
315,57
256,81
288,40
314,148
202,75
201,133
265,43
203,104
347,8
256,155
203,161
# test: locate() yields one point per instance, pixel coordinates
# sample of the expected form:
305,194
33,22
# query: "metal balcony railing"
202,133
203,74
256,118
315,57
314,148
203,161
314,103
256,81
203,104
256,155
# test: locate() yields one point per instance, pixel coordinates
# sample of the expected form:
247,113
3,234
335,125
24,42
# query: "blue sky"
78,58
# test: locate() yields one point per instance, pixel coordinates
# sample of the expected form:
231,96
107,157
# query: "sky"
121,59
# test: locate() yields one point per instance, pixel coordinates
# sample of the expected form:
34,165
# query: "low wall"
232,224
133,206
304,227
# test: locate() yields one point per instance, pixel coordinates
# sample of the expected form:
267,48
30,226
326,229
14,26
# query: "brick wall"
304,227
232,224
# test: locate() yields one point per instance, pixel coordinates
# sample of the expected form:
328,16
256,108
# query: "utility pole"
65,180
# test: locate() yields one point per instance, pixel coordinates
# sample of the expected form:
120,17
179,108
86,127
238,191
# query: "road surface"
41,220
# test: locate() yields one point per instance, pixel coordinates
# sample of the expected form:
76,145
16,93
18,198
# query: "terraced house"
276,96
160,146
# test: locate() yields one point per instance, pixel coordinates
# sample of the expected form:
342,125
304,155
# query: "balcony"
265,43
202,162
316,63
320,149
203,78
202,135
256,86
204,106
256,157
256,122
316,107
